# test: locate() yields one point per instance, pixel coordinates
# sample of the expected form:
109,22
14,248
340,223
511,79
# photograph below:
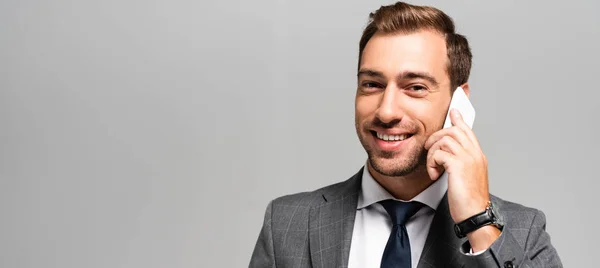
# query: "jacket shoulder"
288,218
311,198
327,193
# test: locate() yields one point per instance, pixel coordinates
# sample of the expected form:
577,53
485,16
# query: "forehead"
421,51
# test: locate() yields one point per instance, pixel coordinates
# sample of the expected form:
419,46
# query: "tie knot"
400,211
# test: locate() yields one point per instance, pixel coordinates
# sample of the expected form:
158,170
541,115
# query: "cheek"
433,125
429,115
365,106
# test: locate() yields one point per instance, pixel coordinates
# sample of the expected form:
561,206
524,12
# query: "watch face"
490,214
494,214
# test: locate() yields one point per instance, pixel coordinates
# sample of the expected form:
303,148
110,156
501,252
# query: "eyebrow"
369,72
401,76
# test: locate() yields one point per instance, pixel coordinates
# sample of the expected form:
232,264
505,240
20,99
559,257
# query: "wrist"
469,209
483,238
487,217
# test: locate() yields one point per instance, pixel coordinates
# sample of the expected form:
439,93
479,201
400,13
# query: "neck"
403,187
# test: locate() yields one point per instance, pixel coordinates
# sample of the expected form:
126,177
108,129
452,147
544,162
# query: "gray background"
154,133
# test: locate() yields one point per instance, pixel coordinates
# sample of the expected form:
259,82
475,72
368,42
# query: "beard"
394,164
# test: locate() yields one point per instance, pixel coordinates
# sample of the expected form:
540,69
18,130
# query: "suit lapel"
442,247
331,223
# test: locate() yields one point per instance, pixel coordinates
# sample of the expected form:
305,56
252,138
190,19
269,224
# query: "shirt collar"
372,192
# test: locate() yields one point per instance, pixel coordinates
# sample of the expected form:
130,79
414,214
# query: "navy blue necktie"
397,250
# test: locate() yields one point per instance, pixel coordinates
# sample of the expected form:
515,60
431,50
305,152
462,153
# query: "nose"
389,110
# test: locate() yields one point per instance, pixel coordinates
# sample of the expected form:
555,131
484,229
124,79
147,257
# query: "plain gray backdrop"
154,133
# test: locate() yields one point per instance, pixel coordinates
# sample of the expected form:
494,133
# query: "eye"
417,88
368,87
371,85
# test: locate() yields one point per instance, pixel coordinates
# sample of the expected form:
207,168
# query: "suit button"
508,264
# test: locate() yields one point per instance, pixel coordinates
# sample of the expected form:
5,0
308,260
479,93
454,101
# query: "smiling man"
422,198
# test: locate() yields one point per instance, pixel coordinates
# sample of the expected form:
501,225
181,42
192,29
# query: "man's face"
402,98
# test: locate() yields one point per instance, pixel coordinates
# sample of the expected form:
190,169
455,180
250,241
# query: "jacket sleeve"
263,254
507,252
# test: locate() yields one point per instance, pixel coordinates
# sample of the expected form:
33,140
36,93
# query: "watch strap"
475,222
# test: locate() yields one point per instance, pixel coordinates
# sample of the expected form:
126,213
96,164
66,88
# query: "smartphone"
461,102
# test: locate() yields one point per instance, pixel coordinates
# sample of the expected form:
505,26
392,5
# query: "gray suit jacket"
314,229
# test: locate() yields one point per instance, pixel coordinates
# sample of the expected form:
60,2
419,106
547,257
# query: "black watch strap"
475,222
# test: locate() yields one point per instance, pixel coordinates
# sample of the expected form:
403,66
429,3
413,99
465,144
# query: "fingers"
453,132
458,121
448,144
460,131
438,161
453,146
445,145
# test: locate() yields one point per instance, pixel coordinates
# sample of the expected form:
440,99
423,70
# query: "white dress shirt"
372,225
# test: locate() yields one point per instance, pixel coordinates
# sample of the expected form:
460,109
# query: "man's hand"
457,151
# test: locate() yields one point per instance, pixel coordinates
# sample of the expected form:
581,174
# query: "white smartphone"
461,102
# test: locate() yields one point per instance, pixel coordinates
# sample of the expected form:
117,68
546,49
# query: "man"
422,198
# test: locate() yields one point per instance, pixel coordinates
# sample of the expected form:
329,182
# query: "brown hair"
406,18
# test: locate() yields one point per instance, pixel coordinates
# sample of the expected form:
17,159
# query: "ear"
466,89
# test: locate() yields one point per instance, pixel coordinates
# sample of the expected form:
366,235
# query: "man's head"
410,62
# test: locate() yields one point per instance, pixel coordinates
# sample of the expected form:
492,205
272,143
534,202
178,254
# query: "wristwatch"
487,217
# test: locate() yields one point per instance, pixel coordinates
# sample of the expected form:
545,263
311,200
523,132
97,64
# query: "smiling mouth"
387,137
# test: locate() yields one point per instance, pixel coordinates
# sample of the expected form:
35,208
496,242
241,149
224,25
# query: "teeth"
386,137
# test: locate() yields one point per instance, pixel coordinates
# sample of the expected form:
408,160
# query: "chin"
393,167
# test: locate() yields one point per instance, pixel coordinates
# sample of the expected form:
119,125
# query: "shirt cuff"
470,253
